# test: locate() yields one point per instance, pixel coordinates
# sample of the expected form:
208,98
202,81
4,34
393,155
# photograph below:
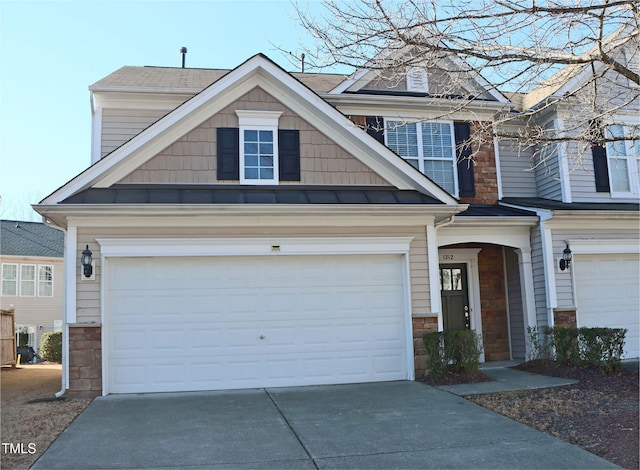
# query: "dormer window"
258,146
417,80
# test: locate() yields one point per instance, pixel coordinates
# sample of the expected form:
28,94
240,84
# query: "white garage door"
607,294
178,324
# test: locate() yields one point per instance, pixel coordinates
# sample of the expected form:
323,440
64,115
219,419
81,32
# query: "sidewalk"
506,379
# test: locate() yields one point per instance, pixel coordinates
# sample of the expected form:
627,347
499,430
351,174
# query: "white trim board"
142,247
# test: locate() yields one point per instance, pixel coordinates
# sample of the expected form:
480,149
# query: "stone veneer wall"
485,173
421,325
565,317
85,361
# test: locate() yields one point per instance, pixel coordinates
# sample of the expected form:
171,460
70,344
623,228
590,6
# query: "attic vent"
183,52
417,80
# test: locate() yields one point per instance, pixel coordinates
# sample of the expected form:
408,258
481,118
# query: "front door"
455,297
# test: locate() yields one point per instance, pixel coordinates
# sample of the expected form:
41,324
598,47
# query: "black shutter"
599,154
600,168
466,183
228,149
289,155
375,128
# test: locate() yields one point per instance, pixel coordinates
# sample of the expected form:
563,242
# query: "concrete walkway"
378,425
507,380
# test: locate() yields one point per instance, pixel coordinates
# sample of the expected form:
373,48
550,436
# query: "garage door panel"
196,324
608,295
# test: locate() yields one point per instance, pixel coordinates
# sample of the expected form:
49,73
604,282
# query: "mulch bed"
599,413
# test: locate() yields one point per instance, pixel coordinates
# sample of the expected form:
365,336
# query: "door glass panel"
456,279
445,274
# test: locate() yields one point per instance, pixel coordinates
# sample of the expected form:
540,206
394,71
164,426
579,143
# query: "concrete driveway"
381,425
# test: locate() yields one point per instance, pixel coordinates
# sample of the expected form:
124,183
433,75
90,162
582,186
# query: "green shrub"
567,345
590,347
51,347
452,351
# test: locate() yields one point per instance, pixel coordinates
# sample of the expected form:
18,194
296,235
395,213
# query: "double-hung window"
9,279
27,280
258,146
45,281
428,146
624,161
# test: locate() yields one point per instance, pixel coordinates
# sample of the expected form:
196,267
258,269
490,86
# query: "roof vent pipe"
302,56
183,52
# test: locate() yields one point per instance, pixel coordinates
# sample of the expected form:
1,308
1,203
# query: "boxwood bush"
586,347
452,351
51,347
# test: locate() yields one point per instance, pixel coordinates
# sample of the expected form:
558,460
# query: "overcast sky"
51,51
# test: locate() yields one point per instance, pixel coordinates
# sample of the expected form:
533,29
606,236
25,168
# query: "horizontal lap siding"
192,158
88,292
537,261
518,177
120,125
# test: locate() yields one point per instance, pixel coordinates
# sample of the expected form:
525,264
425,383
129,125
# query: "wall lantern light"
565,261
85,261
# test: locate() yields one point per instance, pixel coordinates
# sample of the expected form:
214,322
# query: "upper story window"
624,161
428,146
258,146
27,280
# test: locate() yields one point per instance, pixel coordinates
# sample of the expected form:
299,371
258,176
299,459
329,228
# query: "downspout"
434,276
65,334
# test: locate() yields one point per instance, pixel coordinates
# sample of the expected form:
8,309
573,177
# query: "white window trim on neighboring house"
423,159
43,282
6,280
258,121
20,281
28,273
630,158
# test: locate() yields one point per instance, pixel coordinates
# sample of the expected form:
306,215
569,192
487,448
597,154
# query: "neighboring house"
247,232
32,274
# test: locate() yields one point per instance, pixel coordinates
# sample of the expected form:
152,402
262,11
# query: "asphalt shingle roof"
30,239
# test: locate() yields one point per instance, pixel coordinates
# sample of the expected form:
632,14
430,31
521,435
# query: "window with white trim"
429,146
45,281
9,279
623,158
258,146
27,280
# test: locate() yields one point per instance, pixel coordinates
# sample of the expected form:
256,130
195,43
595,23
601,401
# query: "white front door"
183,323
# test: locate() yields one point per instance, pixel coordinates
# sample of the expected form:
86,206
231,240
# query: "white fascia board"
349,81
604,246
139,100
250,215
274,246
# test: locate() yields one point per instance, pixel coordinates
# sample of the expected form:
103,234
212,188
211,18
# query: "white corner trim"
70,258
142,247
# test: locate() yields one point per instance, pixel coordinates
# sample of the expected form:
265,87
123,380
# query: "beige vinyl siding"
516,168
88,292
192,159
38,311
120,125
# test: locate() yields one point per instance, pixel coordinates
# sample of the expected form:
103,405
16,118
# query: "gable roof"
30,239
358,79
256,71
572,76
190,80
